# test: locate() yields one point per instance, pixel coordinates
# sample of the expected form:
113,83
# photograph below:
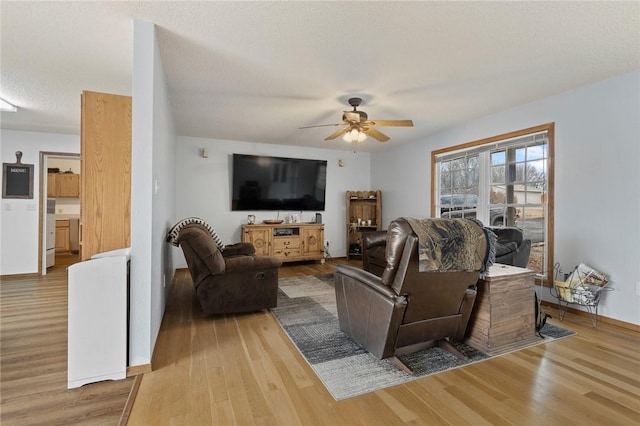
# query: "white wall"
152,194
203,187
163,201
403,175
597,176
19,218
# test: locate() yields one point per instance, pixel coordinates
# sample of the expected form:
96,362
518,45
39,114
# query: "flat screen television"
277,183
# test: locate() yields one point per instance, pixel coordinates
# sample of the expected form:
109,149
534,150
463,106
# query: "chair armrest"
374,238
250,263
465,309
239,249
368,311
521,256
373,251
367,279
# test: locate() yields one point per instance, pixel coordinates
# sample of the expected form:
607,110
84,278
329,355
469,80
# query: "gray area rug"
307,312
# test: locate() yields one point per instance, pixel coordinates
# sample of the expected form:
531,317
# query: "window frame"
547,276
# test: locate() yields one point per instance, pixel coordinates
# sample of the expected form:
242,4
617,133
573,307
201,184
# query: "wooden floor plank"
33,359
257,376
240,370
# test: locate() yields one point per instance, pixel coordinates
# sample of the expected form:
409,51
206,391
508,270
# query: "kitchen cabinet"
51,185
63,185
63,235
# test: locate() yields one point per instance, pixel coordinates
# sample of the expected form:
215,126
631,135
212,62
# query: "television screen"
276,183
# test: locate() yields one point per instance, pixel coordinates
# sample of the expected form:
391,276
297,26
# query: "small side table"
503,316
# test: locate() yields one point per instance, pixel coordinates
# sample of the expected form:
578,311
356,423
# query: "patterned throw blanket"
453,245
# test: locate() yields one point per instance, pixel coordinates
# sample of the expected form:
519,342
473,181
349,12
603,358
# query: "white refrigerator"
50,229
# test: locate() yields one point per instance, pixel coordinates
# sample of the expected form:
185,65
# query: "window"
506,180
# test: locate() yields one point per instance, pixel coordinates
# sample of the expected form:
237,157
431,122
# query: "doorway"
60,212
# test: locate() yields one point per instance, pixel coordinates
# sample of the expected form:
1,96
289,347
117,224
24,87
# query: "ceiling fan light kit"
358,126
354,135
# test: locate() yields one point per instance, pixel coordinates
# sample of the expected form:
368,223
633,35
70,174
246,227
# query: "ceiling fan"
357,125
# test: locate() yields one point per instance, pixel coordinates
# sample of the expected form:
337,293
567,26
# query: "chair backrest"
508,233
201,252
430,294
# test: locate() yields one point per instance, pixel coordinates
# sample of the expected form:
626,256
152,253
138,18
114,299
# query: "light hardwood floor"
243,370
33,358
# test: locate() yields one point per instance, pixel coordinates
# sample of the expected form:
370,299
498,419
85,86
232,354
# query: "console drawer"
287,253
280,243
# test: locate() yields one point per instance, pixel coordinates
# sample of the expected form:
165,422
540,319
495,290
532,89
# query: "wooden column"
105,178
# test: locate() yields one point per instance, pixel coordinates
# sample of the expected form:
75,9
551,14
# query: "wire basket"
583,287
581,294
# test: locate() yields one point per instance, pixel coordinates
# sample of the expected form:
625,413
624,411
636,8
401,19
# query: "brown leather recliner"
405,310
232,281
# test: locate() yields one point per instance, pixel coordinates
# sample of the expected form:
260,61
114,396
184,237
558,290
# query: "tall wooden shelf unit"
362,207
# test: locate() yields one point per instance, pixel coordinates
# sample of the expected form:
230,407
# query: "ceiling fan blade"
352,116
376,134
336,134
321,125
391,123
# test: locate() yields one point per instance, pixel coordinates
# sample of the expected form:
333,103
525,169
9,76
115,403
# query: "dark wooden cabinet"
364,214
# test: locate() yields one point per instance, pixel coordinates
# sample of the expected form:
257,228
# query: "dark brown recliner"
511,247
405,310
232,281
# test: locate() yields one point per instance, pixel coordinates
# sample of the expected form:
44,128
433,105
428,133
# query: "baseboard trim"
606,320
29,275
128,406
138,369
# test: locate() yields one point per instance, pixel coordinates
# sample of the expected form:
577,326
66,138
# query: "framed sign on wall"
17,179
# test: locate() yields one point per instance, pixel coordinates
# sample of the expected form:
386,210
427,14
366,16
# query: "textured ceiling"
257,71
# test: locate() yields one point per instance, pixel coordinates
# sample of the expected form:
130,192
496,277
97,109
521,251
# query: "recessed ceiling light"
6,106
